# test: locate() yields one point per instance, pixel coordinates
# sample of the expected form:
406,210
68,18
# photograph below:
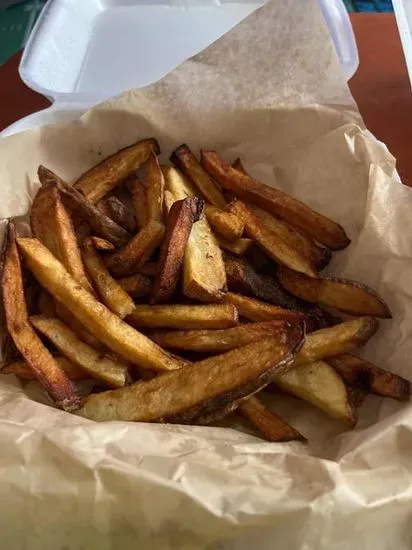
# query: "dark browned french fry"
22,370
120,213
101,244
136,285
45,304
155,189
149,269
139,200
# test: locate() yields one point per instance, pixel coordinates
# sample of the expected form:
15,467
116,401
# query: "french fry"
182,216
218,341
347,296
74,324
101,225
139,200
274,246
45,368
226,224
238,165
113,373
238,248
149,269
108,174
275,201
267,422
120,213
195,391
155,189
204,276
186,161
168,201
355,371
184,316
110,292
101,244
99,320
24,372
136,285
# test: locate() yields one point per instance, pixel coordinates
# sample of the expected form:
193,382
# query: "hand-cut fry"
204,276
22,370
110,292
136,285
101,225
216,383
224,223
218,341
149,269
319,384
357,371
275,201
108,174
128,259
45,368
182,216
348,296
274,246
120,213
238,248
46,304
184,316
186,161
155,189
113,373
99,320
101,244
139,200
267,422
75,325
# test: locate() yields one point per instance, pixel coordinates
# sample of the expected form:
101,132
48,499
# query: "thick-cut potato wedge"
358,372
108,174
136,285
179,316
134,254
275,201
182,216
204,276
347,296
139,200
267,422
186,161
120,213
218,341
101,244
238,248
101,225
155,189
113,373
224,223
319,384
197,390
110,292
97,318
274,246
22,370
45,368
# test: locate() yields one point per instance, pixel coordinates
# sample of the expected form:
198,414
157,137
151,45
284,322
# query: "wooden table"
381,88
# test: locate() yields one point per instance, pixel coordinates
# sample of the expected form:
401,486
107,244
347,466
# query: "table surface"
380,87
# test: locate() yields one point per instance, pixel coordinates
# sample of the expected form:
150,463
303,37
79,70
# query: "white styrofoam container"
403,14
81,52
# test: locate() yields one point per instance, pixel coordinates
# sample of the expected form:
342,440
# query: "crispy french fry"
274,246
348,296
195,391
275,201
99,320
226,224
204,276
108,174
168,201
155,189
139,200
238,248
113,373
186,161
184,316
74,324
267,422
182,216
120,213
45,368
357,371
136,285
101,225
110,292
134,254
22,370
218,341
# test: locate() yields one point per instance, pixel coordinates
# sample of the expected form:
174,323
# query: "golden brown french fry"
45,368
275,201
198,390
182,216
168,201
348,296
101,225
267,422
184,316
74,324
120,213
101,244
22,370
113,373
275,247
218,341
204,276
186,161
224,223
99,320
136,285
134,254
239,247
110,292
357,371
155,189
139,200
108,174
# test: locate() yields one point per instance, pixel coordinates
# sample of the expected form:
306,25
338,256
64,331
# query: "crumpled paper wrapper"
270,91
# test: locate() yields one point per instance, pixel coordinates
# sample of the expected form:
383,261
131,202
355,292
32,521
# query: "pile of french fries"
183,291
